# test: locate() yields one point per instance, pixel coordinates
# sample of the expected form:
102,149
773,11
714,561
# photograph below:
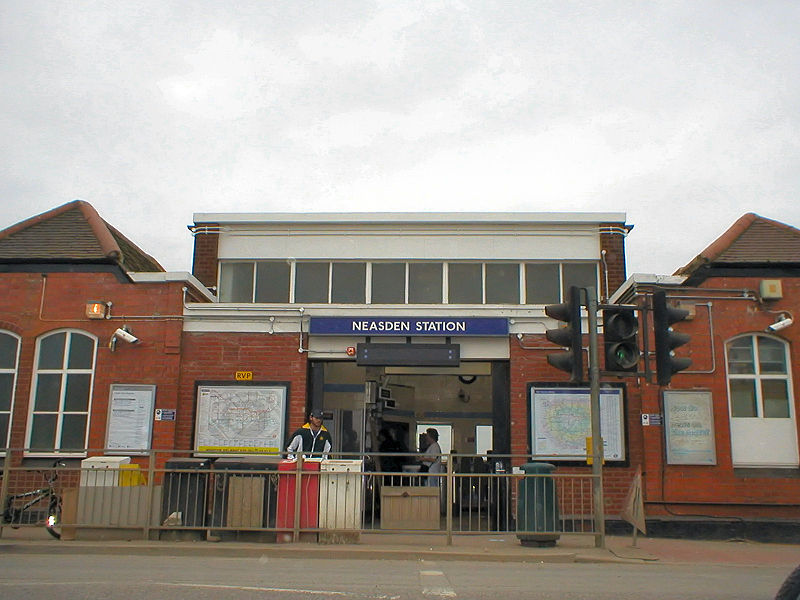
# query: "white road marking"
256,589
187,585
435,584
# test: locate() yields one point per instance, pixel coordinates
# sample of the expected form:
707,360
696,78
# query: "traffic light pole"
597,440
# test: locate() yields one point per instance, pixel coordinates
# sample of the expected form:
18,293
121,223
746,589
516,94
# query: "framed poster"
689,427
130,418
561,420
240,419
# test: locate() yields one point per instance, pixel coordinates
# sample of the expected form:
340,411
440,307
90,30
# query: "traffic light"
666,340
568,337
620,338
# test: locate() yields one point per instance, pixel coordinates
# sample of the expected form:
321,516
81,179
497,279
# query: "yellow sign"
244,376
590,452
239,449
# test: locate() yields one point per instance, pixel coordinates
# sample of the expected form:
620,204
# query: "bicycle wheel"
11,516
790,590
53,523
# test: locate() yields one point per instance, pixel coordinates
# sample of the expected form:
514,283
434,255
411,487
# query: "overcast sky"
683,115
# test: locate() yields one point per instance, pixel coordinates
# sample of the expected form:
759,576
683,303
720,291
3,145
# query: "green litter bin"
537,506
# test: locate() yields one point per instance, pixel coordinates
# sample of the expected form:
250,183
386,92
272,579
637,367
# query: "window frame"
328,276
64,371
486,268
522,270
757,377
482,274
231,262
14,376
256,264
332,281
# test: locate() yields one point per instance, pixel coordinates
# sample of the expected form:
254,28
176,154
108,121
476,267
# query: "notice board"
130,418
689,427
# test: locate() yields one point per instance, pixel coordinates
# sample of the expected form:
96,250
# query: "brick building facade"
270,294
55,269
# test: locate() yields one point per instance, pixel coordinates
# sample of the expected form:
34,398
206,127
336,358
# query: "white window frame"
761,441
445,300
757,376
64,371
15,374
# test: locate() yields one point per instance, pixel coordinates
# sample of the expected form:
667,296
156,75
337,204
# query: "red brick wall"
528,365
217,357
152,311
690,490
718,490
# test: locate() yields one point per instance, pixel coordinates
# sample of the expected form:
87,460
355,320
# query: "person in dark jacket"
391,462
312,439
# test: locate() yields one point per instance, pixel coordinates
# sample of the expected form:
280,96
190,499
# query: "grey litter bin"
183,498
537,506
244,497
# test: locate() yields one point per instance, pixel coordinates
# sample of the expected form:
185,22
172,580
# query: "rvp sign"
244,376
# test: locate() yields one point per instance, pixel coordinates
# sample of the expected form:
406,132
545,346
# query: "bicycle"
16,506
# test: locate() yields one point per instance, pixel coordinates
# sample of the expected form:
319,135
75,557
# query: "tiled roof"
72,233
753,240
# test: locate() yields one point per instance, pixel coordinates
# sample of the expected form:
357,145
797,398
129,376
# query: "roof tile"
751,240
72,233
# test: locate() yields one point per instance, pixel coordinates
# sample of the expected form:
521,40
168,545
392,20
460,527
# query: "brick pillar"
204,263
612,240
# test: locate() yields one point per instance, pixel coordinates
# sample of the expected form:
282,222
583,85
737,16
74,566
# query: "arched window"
62,391
758,377
9,359
763,429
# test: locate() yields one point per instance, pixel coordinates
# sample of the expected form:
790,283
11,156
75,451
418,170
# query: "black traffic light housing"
621,340
568,337
666,340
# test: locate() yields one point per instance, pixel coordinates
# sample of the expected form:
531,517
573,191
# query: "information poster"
130,418
561,420
689,428
240,419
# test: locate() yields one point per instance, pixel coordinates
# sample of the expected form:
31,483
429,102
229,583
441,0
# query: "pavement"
569,548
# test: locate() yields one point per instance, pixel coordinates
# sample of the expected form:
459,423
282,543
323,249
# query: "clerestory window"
417,282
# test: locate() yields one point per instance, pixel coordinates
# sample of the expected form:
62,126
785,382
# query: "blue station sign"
408,326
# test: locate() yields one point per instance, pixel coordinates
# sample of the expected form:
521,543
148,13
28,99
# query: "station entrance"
380,413
468,405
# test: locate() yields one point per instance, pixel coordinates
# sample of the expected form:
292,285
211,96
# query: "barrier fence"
168,495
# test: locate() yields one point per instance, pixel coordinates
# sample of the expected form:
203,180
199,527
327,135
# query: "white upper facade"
275,271
408,236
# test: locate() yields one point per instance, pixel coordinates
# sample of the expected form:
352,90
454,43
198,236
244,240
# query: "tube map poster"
240,419
561,421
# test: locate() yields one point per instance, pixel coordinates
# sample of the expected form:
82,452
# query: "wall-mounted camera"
781,323
124,334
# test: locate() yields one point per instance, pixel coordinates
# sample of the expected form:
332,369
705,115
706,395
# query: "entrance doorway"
469,405
378,413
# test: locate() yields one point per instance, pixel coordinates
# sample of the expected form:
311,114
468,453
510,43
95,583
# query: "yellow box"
130,475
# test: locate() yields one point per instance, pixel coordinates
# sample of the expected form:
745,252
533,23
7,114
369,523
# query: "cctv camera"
126,335
781,324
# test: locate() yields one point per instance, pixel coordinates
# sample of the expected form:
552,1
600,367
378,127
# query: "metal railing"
169,495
